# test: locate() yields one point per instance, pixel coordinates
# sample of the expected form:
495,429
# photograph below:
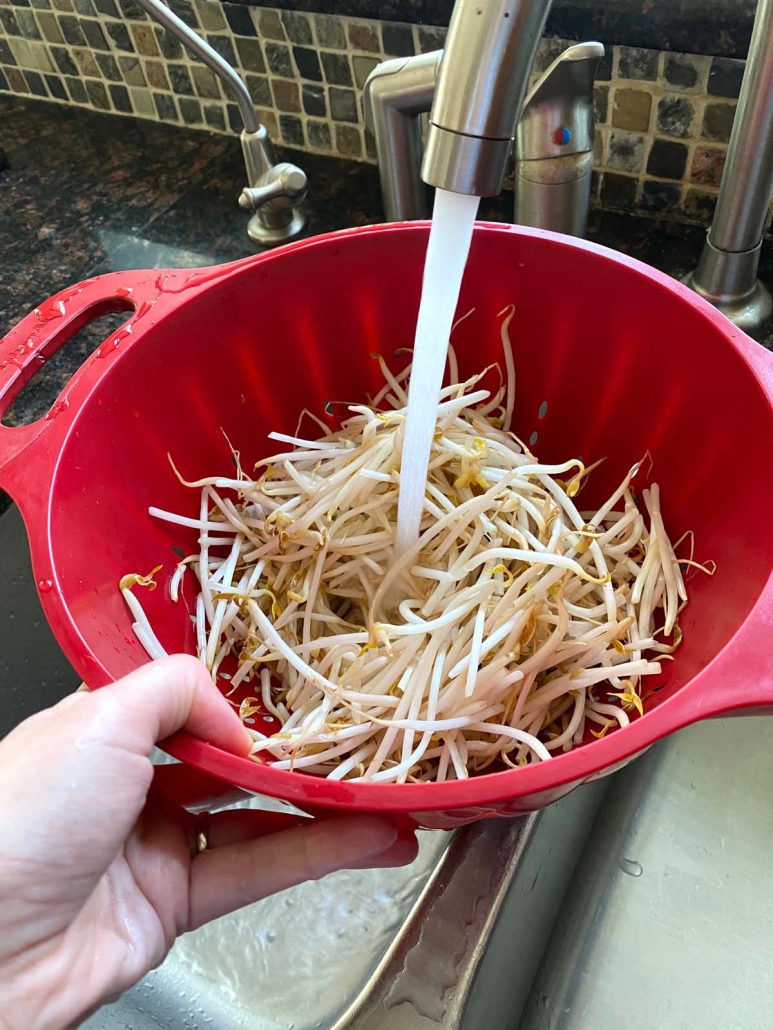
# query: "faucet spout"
481,85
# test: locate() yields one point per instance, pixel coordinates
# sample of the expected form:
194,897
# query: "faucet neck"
481,85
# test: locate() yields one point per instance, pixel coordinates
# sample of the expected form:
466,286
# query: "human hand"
99,873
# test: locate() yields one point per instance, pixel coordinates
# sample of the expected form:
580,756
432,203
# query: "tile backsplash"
663,119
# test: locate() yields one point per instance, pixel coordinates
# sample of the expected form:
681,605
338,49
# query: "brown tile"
631,109
707,165
49,26
270,25
16,80
156,75
718,121
145,40
363,36
268,118
210,15
85,61
205,82
348,142
362,67
287,96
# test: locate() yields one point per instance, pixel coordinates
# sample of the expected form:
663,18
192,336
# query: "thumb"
160,698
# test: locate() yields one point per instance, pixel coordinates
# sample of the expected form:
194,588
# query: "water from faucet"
450,236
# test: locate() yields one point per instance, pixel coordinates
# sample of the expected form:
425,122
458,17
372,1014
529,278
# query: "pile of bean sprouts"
516,625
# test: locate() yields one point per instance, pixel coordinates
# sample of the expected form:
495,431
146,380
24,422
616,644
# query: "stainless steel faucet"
727,271
490,48
481,84
274,191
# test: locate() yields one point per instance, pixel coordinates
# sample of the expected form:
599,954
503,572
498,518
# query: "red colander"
612,359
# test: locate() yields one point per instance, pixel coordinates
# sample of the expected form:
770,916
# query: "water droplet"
631,867
45,586
124,291
136,414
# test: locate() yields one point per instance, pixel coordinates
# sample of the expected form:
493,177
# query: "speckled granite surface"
84,193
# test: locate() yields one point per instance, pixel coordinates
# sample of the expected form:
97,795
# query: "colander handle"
26,347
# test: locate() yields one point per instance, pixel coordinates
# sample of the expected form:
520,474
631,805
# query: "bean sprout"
514,625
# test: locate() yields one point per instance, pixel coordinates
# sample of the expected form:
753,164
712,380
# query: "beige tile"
42,58
143,102
20,49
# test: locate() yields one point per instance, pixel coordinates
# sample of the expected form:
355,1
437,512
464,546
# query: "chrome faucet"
274,191
481,85
727,271
474,90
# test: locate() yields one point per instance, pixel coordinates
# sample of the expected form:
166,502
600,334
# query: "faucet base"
268,236
729,282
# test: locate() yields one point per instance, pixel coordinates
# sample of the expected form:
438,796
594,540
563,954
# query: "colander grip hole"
543,410
533,438
29,404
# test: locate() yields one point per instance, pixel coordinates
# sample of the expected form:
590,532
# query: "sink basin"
669,922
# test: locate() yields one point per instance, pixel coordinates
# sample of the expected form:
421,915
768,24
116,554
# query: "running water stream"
450,236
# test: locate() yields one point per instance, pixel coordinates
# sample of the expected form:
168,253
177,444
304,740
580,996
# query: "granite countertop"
84,193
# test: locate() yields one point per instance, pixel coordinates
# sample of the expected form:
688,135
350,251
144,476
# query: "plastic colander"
613,360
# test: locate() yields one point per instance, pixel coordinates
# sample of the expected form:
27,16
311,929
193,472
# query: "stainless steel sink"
668,924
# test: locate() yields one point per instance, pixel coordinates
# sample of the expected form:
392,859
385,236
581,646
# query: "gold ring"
202,841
